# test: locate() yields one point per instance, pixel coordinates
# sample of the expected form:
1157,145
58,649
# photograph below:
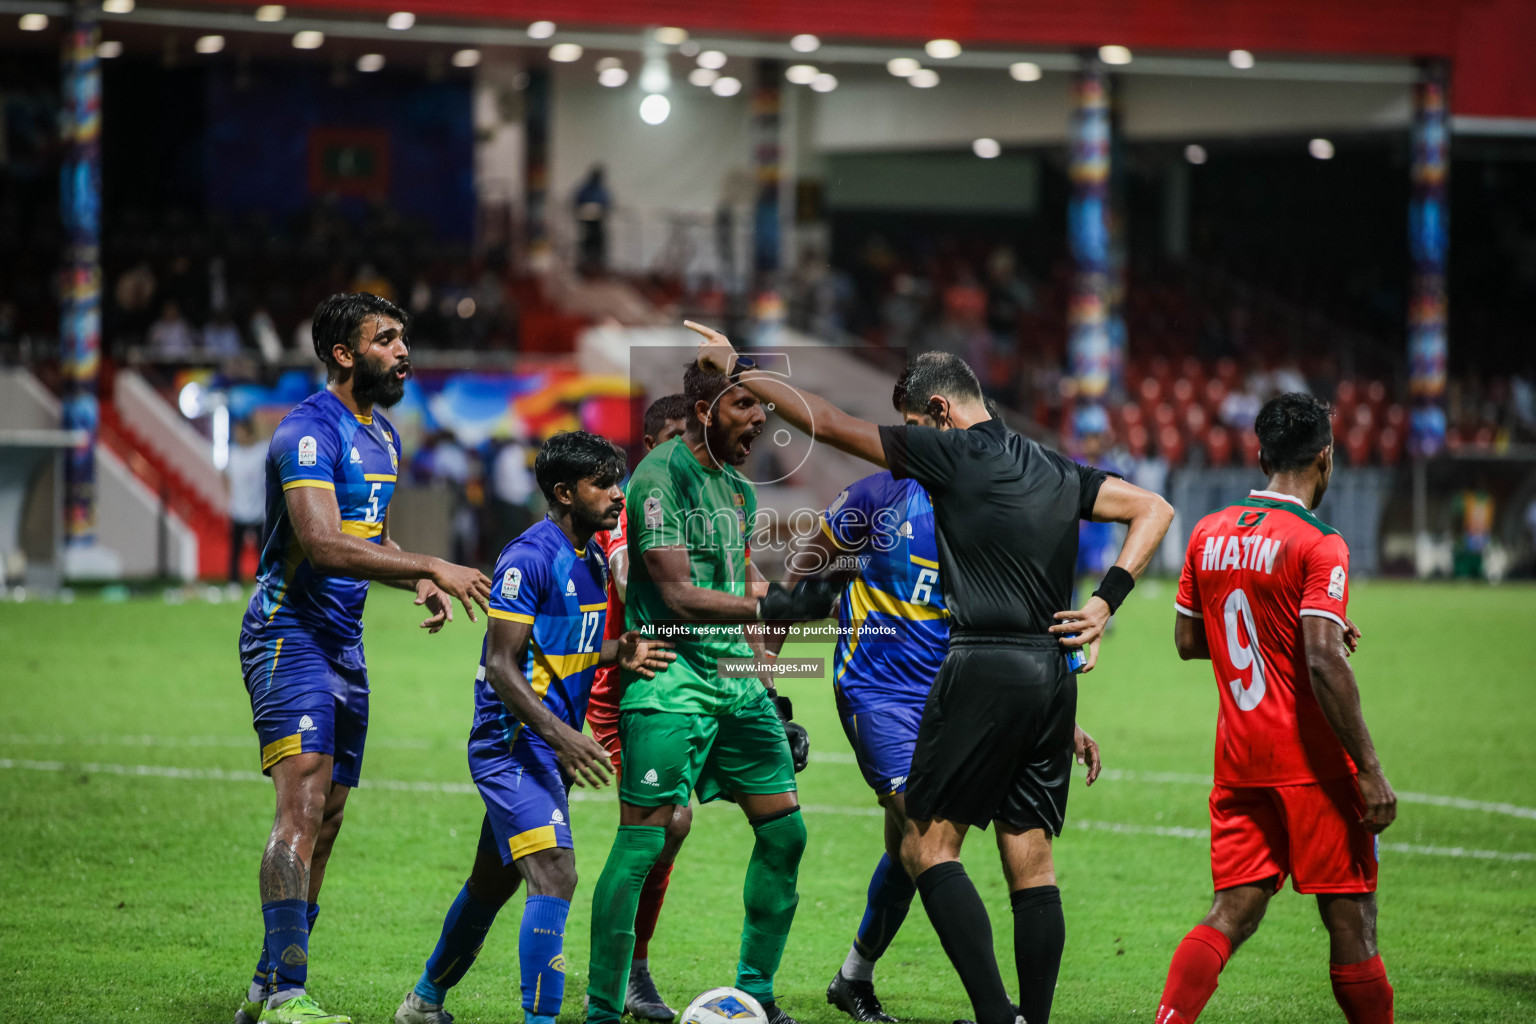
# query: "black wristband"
1115,587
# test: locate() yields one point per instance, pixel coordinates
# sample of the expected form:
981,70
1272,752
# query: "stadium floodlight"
400,21
466,58
108,49
987,149
824,82
671,36
941,49
1195,153
1024,71
655,108
612,77
605,63
208,44
465,308
805,43
712,59
271,12
801,74
541,30
923,78
703,77
1115,54
726,86
656,74
565,53
32,22
902,67
1321,149
117,6
368,63
309,39
1240,59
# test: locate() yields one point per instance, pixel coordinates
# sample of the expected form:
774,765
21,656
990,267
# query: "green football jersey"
673,501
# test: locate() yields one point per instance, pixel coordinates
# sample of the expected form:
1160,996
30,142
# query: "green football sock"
635,850
771,899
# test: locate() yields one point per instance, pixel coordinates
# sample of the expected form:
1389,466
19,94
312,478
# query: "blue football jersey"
542,580
895,629
321,443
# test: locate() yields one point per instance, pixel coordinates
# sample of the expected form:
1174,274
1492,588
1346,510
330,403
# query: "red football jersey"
611,542
1253,570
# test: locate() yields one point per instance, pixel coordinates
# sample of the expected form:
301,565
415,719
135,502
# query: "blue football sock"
287,944
263,975
890,897
463,934
541,954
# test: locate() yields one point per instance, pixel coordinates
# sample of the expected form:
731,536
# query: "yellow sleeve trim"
291,484
278,749
358,528
497,613
532,841
925,562
386,477
826,528
594,607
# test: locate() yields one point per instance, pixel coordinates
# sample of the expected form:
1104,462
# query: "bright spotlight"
208,44
726,86
1240,59
108,49
801,74
32,22
609,62
1115,54
309,39
271,12
1321,149
401,20
565,53
654,109
1024,71
986,148
942,49
824,82
805,43
1195,153
703,77
466,58
117,6
712,59
368,63
541,30
923,78
902,67
612,77
671,36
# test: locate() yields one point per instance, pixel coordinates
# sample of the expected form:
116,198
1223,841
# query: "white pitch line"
467,788
237,742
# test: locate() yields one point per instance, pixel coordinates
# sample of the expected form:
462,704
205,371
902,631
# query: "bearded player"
331,470
1299,791
665,419
691,729
526,748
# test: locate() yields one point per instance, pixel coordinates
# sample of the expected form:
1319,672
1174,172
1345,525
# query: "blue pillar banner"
1088,336
1428,238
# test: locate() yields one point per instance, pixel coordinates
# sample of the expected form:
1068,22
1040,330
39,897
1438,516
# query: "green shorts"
667,754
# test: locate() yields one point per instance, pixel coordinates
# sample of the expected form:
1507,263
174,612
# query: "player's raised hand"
1352,637
715,351
439,604
1087,623
466,584
644,655
582,758
1087,750
1380,801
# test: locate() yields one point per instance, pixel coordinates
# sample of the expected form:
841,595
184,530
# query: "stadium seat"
1218,445
1357,445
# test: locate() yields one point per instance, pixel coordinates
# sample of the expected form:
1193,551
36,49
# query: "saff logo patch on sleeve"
309,451
1336,583
652,512
838,502
511,583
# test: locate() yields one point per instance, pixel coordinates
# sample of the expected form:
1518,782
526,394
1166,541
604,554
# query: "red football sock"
1192,975
1363,992
652,893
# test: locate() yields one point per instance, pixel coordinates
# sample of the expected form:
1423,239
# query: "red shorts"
1310,831
604,723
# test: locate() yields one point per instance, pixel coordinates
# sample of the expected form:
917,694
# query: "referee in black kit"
995,744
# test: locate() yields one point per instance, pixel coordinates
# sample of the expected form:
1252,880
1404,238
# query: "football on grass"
724,1006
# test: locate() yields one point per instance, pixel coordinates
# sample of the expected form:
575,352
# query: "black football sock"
1039,932
960,918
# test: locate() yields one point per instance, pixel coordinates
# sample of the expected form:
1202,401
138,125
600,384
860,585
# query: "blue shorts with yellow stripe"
307,697
527,805
883,740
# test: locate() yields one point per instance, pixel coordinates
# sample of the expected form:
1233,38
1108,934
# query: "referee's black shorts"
996,739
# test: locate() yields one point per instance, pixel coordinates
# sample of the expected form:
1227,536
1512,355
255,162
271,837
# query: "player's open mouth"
746,441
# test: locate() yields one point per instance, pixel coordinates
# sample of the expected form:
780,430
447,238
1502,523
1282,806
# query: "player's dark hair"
668,407
934,373
574,455
702,384
339,320
1292,429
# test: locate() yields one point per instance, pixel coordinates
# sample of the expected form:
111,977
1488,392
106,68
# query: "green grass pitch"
132,897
